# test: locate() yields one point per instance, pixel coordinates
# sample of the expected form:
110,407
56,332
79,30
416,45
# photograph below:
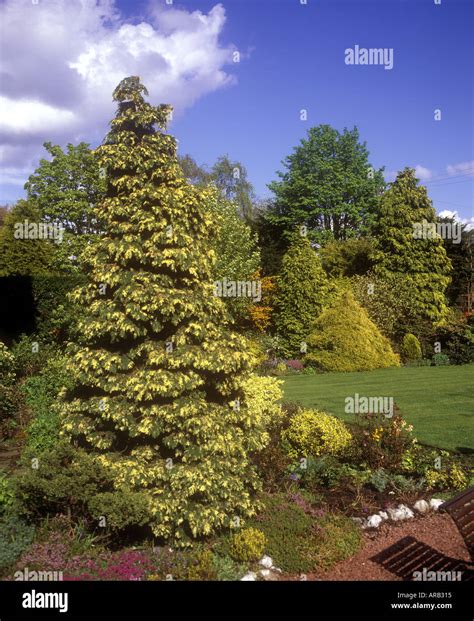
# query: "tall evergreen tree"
302,289
403,251
159,399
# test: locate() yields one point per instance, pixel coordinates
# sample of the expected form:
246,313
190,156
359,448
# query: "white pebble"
266,561
435,503
402,512
374,521
249,577
421,506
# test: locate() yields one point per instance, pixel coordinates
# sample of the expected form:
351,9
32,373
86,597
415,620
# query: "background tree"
261,312
232,180
423,262
329,186
461,256
235,245
3,213
347,257
237,255
66,189
193,173
271,243
159,398
230,177
302,290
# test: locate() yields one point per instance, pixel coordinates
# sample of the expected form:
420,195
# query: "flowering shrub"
383,442
313,433
296,365
55,555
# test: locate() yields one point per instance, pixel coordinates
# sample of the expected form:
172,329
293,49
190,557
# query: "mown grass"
438,401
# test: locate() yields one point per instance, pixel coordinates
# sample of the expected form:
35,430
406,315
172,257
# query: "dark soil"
364,502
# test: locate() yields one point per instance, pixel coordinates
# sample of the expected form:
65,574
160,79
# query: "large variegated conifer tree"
160,394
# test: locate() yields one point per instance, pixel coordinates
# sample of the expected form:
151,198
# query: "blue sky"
292,58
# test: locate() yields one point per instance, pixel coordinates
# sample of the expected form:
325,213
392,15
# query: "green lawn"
438,401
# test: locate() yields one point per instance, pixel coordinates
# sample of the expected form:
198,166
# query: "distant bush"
390,304
7,365
9,398
31,354
411,348
440,360
278,369
296,365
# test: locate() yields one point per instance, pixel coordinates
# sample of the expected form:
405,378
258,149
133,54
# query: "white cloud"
31,116
424,174
60,62
447,213
463,168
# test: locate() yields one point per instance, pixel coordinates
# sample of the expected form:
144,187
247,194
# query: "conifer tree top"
134,114
130,89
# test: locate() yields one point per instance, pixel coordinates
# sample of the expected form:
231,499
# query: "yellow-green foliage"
262,394
343,338
248,545
160,378
7,365
454,478
411,348
202,567
312,433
